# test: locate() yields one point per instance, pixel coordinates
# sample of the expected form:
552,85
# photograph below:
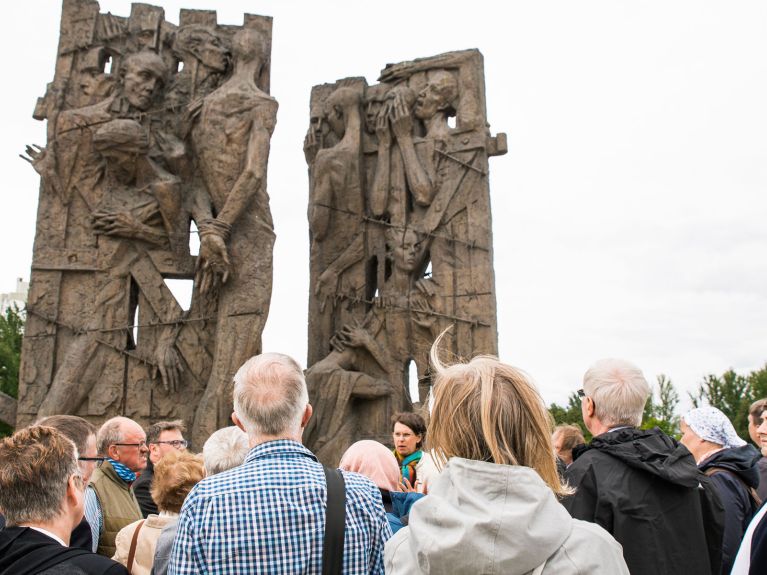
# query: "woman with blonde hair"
174,476
495,508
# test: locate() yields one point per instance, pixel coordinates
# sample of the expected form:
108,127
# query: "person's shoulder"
361,490
93,564
577,552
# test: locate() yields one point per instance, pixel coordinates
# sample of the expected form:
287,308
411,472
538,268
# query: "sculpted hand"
311,146
326,288
45,165
382,128
116,224
355,336
213,265
168,364
401,121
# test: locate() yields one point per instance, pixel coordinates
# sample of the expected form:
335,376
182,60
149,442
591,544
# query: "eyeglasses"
176,443
581,393
98,460
139,445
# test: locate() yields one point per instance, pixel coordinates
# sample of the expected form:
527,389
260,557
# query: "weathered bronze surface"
401,241
152,127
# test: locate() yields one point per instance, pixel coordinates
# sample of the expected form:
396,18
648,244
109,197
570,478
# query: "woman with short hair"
494,508
174,476
408,433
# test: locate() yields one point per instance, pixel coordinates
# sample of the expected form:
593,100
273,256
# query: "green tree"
11,332
571,414
731,394
660,409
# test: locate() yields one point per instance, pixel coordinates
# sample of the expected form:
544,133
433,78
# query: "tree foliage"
11,332
732,394
660,409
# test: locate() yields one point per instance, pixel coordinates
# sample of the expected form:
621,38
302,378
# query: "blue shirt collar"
279,448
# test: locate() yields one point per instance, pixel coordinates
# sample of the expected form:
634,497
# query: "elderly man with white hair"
731,464
280,511
641,485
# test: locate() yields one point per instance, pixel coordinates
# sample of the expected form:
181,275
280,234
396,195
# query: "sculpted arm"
402,125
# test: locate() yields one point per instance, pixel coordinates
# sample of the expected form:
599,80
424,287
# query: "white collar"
48,533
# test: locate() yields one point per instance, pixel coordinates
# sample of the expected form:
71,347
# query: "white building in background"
18,297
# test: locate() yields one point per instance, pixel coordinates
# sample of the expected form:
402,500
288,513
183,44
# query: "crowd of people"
486,486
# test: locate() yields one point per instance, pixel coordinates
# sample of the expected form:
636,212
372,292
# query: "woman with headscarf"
377,463
494,507
732,465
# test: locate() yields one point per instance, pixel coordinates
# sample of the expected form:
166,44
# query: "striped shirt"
268,516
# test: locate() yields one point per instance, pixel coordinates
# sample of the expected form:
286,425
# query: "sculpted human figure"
136,208
336,210
357,369
231,142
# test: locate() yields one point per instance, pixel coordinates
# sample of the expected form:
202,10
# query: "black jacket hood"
743,461
650,450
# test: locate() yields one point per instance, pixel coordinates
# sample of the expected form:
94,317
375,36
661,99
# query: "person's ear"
590,407
112,452
237,421
307,415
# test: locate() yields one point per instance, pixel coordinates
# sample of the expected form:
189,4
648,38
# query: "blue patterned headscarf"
712,425
122,472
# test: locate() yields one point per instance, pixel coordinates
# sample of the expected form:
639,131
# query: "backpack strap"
133,542
335,523
757,501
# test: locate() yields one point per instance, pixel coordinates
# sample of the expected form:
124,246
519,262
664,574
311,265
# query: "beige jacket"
145,545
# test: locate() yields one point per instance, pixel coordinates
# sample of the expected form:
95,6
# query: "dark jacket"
81,535
644,488
759,548
24,551
762,489
141,489
733,472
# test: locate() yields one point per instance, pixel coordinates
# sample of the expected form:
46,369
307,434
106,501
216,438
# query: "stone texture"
401,239
151,126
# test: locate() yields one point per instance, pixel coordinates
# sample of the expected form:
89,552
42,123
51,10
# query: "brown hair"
756,410
153,431
414,421
74,428
35,466
571,435
486,410
174,476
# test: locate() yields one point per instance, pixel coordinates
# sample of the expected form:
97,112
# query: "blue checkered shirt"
268,516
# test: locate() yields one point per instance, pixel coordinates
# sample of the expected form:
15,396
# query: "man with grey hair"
269,514
225,449
641,485
110,504
41,493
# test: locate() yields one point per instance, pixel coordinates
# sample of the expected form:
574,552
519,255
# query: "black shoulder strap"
335,523
756,501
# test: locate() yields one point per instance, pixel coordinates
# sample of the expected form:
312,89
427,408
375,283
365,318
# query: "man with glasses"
162,438
641,485
41,493
110,504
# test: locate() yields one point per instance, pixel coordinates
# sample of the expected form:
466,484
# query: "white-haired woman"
494,508
732,465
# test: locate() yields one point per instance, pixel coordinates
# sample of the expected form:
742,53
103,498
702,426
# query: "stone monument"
401,240
156,132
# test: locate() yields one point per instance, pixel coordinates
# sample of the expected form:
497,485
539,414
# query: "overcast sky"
629,216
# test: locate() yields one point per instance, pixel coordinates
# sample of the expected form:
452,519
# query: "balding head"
270,397
123,440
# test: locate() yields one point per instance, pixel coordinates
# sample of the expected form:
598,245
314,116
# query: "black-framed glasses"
176,443
581,393
139,445
99,461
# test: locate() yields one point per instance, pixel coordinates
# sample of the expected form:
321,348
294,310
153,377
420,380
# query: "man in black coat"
641,485
41,493
162,438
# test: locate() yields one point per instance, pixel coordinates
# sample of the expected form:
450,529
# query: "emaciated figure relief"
152,128
401,242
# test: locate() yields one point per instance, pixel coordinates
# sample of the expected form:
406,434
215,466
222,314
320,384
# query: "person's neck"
706,450
255,440
596,427
61,526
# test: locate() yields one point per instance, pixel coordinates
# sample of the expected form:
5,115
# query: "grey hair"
619,391
110,433
270,395
225,449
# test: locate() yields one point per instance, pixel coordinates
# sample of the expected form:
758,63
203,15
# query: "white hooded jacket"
484,518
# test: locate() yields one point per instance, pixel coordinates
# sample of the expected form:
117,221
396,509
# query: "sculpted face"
405,251
212,53
437,95
139,86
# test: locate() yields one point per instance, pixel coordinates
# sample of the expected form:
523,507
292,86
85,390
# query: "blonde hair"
174,476
486,410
